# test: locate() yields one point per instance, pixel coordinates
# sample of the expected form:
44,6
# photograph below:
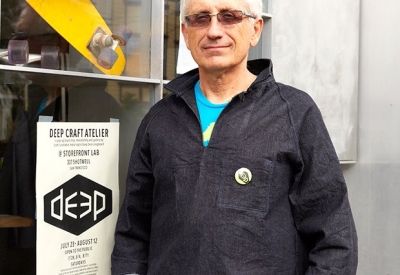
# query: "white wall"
315,47
305,30
374,181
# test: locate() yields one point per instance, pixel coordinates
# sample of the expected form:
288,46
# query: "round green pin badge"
243,176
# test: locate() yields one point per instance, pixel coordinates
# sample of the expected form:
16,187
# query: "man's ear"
257,30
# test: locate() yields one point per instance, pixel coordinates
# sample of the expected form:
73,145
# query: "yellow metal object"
77,21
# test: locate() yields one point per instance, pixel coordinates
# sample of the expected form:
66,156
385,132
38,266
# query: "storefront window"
71,28
73,89
23,99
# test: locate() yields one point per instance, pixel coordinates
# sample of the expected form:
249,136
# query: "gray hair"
254,8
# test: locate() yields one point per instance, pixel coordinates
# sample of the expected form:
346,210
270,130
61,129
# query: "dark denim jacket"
185,213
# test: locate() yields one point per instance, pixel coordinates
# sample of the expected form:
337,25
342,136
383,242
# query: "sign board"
77,197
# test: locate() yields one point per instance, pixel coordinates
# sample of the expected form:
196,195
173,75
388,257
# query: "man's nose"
215,28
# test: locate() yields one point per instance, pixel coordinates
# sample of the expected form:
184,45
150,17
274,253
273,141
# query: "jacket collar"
185,82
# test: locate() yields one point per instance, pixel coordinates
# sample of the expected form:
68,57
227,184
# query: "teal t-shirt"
209,113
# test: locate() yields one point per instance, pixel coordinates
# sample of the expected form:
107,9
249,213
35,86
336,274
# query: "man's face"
217,47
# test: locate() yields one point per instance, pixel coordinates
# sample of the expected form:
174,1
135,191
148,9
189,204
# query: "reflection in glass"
171,38
19,21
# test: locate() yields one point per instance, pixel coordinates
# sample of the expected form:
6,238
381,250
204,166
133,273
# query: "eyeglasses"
224,17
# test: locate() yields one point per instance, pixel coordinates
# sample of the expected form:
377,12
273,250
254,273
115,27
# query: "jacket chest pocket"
245,184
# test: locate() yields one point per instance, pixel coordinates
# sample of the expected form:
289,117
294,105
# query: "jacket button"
243,176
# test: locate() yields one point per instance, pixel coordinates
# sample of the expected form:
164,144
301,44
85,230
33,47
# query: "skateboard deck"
78,21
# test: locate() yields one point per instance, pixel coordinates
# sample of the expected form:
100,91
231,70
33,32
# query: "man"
233,173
